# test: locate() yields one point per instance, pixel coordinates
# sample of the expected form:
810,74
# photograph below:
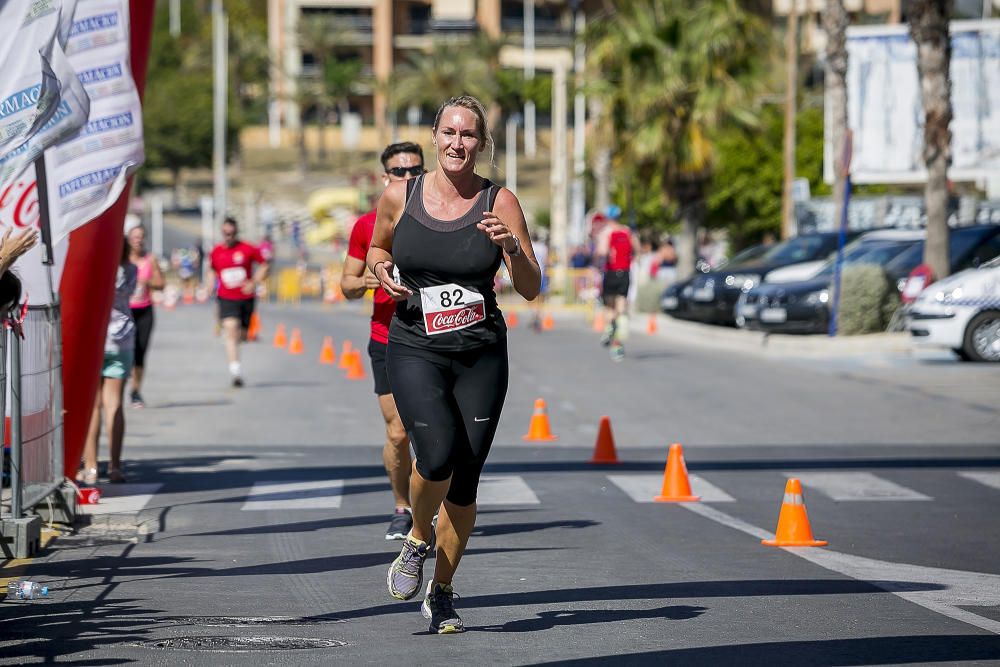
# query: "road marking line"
990,479
643,488
856,486
505,490
322,494
122,499
954,587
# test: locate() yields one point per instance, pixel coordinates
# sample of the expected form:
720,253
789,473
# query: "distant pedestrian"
616,246
239,268
119,350
400,162
149,278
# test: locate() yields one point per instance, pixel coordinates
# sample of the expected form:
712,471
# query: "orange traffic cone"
345,356
676,486
604,448
538,429
295,343
548,324
512,320
651,325
253,331
327,356
280,339
793,522
188,297
599,322
356,371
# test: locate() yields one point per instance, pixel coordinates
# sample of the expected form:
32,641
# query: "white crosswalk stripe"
989,478
643,488
322,494
505,490
122,499
856,486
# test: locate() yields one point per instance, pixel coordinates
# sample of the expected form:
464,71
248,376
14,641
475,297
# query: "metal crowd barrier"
34,429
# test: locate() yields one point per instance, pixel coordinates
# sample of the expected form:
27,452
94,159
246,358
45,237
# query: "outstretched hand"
383,271
12,247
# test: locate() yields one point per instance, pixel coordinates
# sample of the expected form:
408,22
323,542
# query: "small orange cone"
538,429
548,324
599,322
512,320
604,448
280,339
188,297
676,486
295,343
356,371
327,356
345,356
793,522
254,329
651,325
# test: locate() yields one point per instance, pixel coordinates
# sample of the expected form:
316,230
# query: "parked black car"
803,307
674,299
713,295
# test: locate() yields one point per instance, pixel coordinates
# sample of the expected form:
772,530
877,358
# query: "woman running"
149,278
446,233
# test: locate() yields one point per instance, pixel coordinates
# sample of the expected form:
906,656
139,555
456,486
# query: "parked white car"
961,312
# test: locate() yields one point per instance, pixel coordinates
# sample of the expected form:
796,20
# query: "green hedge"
868,300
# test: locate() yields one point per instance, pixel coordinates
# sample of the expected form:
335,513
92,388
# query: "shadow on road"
546,620
676,590
49,630
516,528
820,653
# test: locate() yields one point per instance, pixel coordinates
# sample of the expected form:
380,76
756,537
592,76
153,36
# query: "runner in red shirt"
400,161
233,263
616,246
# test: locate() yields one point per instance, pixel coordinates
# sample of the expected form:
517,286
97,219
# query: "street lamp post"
220,89
577,196
529,75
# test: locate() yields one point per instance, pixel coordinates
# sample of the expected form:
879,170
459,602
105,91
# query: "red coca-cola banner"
87,285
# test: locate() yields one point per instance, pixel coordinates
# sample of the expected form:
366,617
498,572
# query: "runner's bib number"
451,307
233,277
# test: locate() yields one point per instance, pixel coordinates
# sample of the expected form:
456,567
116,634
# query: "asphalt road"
270,502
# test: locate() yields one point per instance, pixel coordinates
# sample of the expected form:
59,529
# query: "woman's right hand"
383,271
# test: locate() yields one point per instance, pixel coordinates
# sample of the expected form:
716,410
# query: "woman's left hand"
12,248
498,232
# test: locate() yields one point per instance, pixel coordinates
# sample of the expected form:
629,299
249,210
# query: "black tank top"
450,266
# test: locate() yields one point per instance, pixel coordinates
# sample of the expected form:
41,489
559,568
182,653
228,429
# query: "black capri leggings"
143,331
450,403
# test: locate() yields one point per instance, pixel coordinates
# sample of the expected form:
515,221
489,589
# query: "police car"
961,312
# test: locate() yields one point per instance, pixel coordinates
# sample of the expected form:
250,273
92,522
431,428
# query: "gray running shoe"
399,526
439,607
407,572
617,352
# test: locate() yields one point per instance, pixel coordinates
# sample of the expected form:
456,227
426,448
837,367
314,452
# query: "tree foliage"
671,73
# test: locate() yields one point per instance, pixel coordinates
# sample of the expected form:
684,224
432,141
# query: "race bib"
233,277
450,308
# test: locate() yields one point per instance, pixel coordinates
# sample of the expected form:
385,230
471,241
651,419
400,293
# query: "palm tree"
929,29
450,68
835,22
319,36
672,72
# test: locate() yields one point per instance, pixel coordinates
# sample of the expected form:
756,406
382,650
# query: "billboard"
885,112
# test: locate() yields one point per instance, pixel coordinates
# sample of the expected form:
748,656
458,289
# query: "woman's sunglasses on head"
403,171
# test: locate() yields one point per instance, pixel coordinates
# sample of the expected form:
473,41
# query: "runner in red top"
400,161
617,245
233,262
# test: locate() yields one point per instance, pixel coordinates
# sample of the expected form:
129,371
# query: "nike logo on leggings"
477,419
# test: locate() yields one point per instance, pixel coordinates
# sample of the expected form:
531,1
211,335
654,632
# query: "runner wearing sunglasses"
400,161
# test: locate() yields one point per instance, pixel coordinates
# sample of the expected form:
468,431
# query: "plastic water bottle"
26,590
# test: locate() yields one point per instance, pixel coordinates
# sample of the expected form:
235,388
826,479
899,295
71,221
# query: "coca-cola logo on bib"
456,318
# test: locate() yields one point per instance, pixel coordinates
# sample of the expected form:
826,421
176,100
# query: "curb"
707,335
